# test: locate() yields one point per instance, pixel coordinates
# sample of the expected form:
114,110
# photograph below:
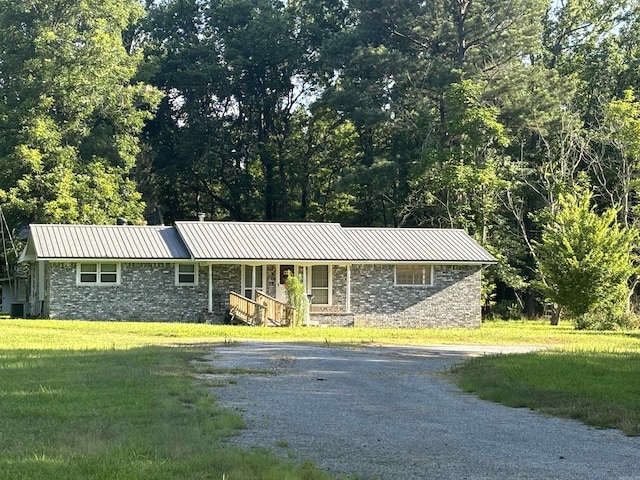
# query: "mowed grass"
114,401
599,388
78,334
120,399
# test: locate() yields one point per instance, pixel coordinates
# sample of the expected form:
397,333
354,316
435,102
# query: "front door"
284,271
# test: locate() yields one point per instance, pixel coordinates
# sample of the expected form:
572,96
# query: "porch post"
253,283
348,306
210,290
41,280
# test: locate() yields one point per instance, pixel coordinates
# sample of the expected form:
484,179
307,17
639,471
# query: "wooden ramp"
264,310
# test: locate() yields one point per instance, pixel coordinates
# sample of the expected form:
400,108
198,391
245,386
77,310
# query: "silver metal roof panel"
107,241
418,245
268,241
253,241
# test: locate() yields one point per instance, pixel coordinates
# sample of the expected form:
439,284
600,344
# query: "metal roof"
267,241
106,242
418,245
253,241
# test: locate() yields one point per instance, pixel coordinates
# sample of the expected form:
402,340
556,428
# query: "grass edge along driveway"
119,400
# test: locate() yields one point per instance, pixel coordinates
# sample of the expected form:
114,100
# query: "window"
98,274
413,275
320,285
252,280
186,274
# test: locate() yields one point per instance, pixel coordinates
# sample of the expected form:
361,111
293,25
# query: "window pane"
259,276
108,278
320,296
187,274
108,267
413,274
88,277
404,274
88,267
426,274
186,268
320,276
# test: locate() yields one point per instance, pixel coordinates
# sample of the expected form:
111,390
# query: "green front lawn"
599,388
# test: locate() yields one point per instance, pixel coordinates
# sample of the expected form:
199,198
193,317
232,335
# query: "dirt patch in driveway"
390,412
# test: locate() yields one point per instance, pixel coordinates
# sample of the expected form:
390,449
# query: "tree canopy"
70,111
474,114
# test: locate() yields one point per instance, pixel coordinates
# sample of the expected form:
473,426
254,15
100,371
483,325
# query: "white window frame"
415,266
310,286
98,274
194,273
247,283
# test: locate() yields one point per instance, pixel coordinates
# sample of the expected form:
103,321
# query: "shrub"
608,319
297,298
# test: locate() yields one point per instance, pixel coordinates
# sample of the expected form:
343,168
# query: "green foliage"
608,319
234,137
297,298
618,172
71,111
584,259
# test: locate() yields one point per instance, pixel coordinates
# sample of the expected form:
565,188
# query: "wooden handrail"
278,312
247,310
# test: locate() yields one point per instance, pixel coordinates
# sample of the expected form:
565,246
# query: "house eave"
271,261
257,261
117,260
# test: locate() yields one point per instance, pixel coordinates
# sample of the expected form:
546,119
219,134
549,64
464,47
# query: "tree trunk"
555,315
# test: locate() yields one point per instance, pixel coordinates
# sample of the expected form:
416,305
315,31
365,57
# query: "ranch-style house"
217,271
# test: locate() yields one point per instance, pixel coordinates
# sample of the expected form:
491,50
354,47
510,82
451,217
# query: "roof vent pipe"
201,216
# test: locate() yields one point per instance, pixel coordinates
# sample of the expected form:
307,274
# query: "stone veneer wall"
225,278
452,301
147,292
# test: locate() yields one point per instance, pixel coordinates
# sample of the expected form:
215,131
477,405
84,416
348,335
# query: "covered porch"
255,293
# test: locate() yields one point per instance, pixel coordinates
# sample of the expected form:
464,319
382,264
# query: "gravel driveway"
390,413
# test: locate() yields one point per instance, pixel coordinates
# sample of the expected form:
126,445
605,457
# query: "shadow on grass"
134,414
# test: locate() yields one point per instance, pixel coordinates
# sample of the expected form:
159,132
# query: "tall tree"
70,111
615,164
235,74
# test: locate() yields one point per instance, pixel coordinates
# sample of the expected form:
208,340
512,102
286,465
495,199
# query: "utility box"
17,310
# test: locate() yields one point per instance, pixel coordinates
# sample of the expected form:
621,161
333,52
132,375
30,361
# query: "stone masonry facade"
453,300
147,292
